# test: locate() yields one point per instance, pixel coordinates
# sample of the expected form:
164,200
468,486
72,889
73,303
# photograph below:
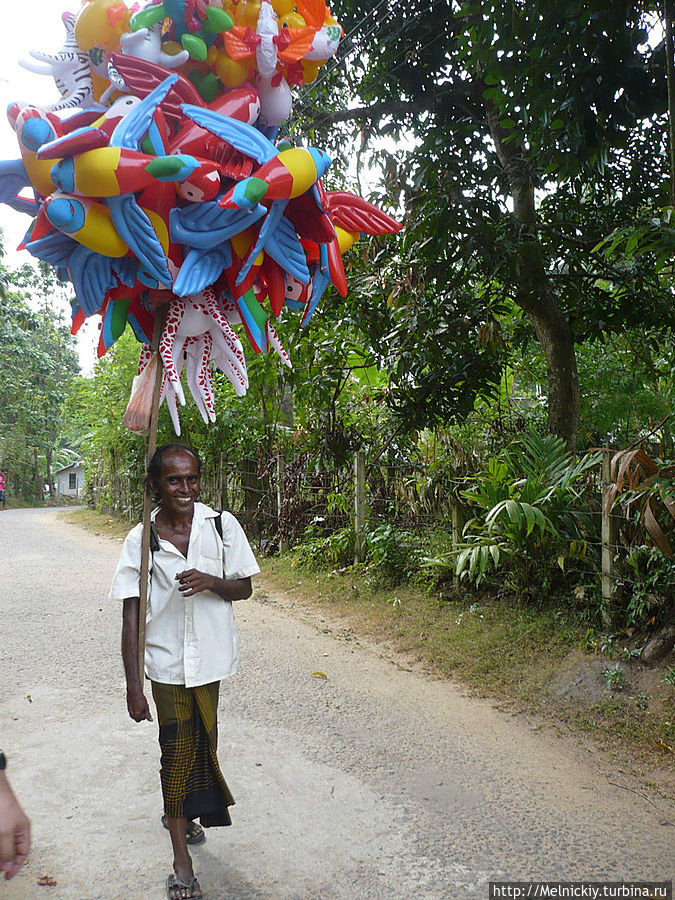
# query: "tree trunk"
251,486
563,382
48,455
37,480
536,297
553,332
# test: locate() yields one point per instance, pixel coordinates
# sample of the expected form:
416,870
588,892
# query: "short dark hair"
155,467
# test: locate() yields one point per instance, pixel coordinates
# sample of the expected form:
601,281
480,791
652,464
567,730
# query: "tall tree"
39,362
524,133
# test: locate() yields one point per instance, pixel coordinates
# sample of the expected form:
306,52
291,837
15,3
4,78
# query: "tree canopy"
38,365
524,134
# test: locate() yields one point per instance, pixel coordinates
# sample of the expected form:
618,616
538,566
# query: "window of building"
72,481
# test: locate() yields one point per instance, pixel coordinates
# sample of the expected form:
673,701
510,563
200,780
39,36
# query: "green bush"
648,585
391,556
527,518
323,551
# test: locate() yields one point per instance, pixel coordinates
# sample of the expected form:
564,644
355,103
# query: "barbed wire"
324,501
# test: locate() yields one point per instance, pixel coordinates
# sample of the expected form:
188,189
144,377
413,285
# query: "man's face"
178,485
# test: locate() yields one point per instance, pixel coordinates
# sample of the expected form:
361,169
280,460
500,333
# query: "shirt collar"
202,512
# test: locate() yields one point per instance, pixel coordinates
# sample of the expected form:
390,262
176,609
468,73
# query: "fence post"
281,468
609,538
359,504
224,495
249,483
458,522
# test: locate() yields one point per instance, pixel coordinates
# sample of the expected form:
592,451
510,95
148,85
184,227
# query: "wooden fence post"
359,504
281,468
224,495
609,538
249,483
458,522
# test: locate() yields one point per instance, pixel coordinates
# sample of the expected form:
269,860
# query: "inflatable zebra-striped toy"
69,68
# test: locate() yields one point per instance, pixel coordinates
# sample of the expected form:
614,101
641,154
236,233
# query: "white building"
70,480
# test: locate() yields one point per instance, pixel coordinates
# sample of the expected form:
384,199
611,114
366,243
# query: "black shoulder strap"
154,538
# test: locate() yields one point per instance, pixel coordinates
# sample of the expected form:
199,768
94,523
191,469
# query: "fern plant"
527,503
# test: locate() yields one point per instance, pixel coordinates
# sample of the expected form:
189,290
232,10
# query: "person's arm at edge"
14,831
136,701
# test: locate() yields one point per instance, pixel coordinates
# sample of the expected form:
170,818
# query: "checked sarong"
192,783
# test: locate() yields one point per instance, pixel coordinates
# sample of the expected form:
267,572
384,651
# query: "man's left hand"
192,581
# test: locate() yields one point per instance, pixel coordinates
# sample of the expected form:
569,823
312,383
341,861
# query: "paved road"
371,783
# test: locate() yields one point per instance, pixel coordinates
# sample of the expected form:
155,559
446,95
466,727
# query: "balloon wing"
353,213
142,77
242,136
134,227
130,130
13,178
283,245
309,218
206,225
55,248
78,141
92,276
201,268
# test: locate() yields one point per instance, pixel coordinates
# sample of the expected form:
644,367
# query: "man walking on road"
201,562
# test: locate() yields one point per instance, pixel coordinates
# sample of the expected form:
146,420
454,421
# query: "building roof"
73,465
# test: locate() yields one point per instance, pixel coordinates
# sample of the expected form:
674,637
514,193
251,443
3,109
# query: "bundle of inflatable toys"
156,179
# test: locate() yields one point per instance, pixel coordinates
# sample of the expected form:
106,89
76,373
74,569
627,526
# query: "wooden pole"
160,318
281,468
359,504
609,539
458,522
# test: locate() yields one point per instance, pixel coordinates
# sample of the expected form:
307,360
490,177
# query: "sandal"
194,834
175,888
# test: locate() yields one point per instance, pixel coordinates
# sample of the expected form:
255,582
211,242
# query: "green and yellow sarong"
192,783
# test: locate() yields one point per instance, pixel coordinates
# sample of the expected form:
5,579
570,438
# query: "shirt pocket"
211,555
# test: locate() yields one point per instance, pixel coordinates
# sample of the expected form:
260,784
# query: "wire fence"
281,502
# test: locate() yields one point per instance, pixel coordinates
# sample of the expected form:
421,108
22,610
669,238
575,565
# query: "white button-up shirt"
188,640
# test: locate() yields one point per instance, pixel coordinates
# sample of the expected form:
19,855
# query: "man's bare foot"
179,889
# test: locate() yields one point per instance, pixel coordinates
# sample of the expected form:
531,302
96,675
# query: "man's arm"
192,582
136,702
14,831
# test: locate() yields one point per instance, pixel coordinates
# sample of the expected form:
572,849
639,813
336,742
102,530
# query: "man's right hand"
138,706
